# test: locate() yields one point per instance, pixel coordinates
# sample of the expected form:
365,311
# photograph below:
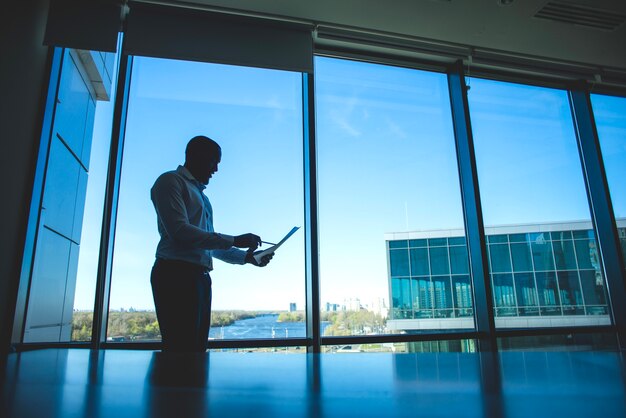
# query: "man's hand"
250,241
264,260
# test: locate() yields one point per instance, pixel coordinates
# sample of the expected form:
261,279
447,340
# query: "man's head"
202,157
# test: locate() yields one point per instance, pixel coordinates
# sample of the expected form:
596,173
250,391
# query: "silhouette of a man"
181,285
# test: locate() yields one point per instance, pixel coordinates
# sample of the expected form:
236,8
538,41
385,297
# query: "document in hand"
260,254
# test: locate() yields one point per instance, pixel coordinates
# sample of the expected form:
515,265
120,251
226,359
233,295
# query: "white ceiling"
481,24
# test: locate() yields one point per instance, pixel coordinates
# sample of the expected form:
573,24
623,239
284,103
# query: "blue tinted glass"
610,118
561,235
437,242
526,289
547,289
500,258
419,262
564,255
405,300
503,290
439,260
542,255
583,233
521,257
418,243
456,241
396,294
399,260
462,292
401,293
587,254
422,297
441,294
497,238
458,260
398,244
593,288
570,289
518,238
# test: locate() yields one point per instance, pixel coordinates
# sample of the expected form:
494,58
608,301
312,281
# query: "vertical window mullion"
105,262
313,330
472,210
600,204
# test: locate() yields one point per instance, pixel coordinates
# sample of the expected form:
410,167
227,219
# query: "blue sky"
386,163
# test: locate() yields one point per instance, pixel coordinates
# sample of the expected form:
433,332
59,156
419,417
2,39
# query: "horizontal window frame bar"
399,338
382,59
331,340
506,72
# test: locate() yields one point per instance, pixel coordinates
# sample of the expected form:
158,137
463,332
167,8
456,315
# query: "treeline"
297,316
353,323
343,322
141,325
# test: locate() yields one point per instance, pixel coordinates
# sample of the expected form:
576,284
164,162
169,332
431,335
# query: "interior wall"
23,82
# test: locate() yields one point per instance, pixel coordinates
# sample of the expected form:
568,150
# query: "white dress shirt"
185,222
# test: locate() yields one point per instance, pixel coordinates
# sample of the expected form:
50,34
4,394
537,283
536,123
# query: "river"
262,326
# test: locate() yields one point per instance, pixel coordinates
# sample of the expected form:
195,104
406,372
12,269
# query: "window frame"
485,332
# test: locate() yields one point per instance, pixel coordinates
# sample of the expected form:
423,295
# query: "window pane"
587,254
594,292
387,172
422,297
458,260
564,255
542,255
571,295
533,192
402,298
500,258
610,116
548,294
461,289
492,239
398,244
256,117
399,261
526,290
439,260
438,242
504,295
415,243
442,296
419,262
521,257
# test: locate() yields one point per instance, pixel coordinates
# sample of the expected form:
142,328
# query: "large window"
610,116
544,265
392,251
256,117
392,246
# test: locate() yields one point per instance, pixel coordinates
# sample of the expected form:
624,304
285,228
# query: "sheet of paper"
259,255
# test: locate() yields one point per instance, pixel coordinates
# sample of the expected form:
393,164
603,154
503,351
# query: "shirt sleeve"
167,197
231,255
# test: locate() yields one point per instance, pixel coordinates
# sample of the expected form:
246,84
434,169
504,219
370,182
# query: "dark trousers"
182,298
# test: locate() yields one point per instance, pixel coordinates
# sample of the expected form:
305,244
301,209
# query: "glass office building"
542,275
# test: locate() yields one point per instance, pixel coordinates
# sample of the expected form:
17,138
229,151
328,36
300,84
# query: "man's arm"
236,256
167,198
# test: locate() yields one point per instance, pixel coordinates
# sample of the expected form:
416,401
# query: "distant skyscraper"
332,307
292,307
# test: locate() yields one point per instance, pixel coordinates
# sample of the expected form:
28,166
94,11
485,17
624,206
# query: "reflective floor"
120,383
